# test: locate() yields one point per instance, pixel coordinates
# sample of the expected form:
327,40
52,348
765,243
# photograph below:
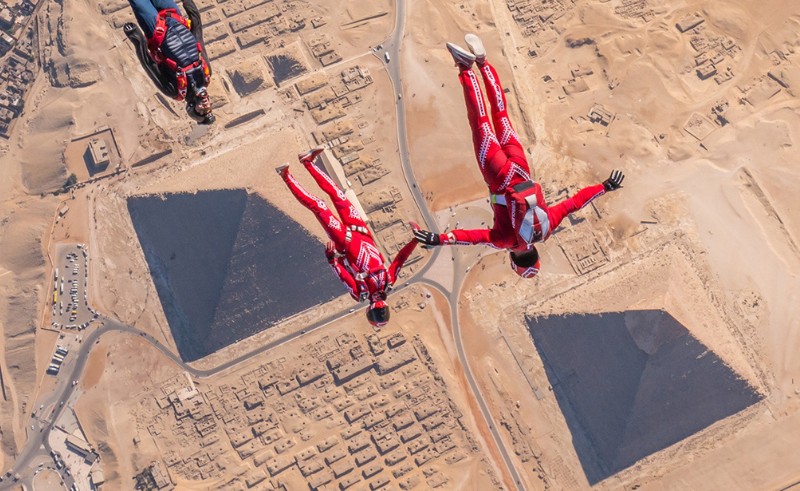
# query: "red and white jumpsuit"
503,165
362,266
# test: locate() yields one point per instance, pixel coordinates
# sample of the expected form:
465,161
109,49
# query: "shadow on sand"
226,265
632,383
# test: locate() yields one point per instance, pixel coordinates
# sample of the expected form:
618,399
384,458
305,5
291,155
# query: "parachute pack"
180,51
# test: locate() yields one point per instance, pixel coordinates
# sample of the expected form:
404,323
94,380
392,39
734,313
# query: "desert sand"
656,349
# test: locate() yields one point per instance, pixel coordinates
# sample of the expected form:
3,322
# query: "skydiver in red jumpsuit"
351,251
521,216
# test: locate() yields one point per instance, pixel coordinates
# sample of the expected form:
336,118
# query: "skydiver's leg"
508,138
146,14
491,159
349,214
329,222
560,210
166,4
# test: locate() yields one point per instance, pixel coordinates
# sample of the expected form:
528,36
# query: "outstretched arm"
491,237
557,212
400,259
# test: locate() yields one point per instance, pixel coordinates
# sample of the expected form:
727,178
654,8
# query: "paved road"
37,444
453,297
37,441
392,46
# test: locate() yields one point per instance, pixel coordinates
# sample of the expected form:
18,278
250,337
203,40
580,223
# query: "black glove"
129,28
614,181
427,238
330,252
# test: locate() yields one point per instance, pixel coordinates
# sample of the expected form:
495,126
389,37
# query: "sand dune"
24,288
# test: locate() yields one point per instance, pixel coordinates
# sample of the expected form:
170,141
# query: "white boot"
463,58
476,46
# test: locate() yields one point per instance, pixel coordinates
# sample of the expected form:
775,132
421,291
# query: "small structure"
6,115
99,155
600,115
6,41
97,477
6,18
706,71
689,22
78,446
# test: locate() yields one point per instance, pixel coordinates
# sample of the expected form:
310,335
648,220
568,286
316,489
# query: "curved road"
33,447
392,47
37,445
487,415
36,441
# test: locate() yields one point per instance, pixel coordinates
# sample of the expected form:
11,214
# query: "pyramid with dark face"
632,383
226,265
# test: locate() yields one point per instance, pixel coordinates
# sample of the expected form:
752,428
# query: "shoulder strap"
160,31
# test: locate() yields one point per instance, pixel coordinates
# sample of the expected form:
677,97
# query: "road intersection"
37,448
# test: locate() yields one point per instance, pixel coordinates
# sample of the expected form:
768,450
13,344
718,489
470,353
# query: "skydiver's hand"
330,252
614,181
427,238
129,28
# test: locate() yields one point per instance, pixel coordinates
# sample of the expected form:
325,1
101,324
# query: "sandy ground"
116,372
118,396
48,480
32,159
709,195
706,227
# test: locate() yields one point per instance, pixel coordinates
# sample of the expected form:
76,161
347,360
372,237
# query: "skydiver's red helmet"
378,313
525,264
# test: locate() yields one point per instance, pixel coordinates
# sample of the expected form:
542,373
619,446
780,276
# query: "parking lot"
73,463
70,279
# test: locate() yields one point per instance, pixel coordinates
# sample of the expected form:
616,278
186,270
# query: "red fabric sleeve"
399,259
491,237
557,212
346,278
